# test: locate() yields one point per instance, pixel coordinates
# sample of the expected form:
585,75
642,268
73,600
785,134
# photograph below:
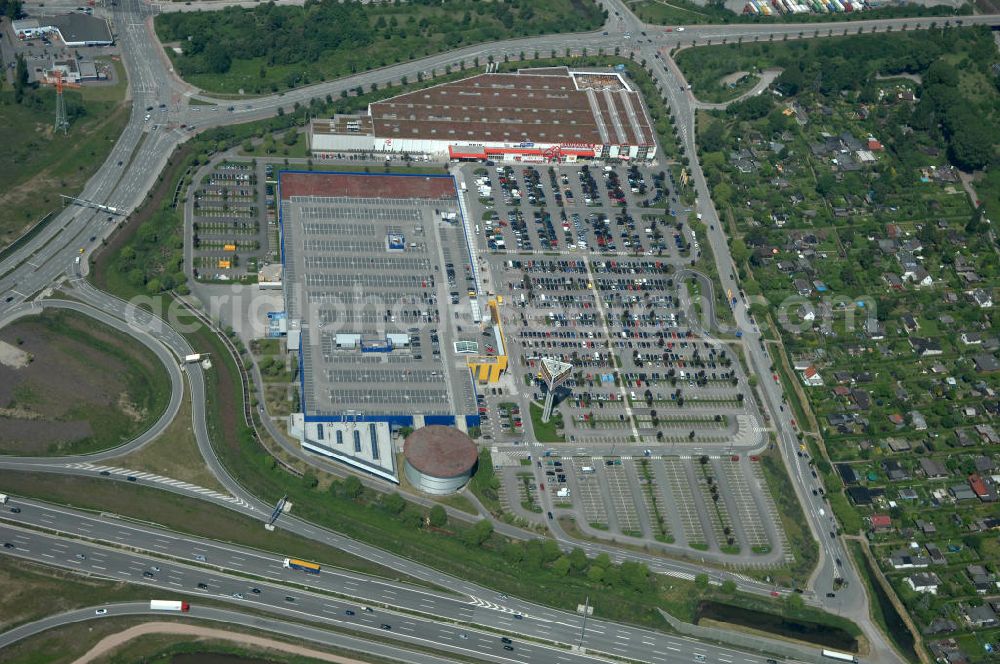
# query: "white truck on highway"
168,605
190,359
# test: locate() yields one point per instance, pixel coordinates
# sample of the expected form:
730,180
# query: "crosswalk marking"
159,479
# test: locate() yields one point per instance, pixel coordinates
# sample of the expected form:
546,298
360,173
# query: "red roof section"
978,485
881,521
363,185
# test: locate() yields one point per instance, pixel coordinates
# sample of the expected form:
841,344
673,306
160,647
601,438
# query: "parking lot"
590,262
229,236
611,497
365,276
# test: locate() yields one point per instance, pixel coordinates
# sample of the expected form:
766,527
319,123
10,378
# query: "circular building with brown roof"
439,459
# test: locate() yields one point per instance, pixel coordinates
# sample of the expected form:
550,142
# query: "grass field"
86,387
32,591
174,454
37,165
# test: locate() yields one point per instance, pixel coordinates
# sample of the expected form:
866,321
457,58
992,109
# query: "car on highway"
289,598
368,609
81,556
255,591
199,557
100,612
8,545
508,647
105,473
147,575
463,635
504,639
132,478
154,568
203,586
831,594
680,28
238,595
15,510
698,657
349,612
385,626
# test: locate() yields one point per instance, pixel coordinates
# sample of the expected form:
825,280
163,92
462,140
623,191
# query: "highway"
178,563
141,152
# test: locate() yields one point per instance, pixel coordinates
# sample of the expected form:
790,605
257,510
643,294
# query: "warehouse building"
74,30
439,460
533,115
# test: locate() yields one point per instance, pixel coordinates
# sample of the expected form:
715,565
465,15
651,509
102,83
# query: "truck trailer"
168,605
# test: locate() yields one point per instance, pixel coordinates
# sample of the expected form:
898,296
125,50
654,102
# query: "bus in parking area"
842,656
302,565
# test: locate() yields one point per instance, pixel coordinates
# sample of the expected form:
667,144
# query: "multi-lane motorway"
127,175
200,569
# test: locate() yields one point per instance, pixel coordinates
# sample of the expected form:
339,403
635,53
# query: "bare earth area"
109,643
69,385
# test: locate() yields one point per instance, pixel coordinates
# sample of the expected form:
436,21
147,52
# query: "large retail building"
544,114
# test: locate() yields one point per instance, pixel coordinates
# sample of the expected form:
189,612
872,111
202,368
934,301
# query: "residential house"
918,421
972,338
861,399
905,560
925,347
961,492
803,287
984,464
963,438
811,377
986,362
847,473
982,298
910,323
893,281
907,493
983,488
980,616
880,523
926,527
924,582
860,495
875,329
897,419
934,551
933,468
894,471
987,434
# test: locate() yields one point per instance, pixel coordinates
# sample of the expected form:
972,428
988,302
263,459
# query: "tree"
393,503
561,566
728,586
479,533
438,516
352,487
578,559
595,574
701,581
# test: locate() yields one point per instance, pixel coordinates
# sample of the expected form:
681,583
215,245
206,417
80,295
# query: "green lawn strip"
267,48
181,514
485,485
545,432
793,522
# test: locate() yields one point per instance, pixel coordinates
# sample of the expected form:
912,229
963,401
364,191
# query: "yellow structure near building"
488,367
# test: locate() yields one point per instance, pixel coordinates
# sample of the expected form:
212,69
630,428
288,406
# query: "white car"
680,28
100,612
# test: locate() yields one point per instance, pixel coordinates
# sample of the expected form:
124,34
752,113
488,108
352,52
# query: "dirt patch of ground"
13,357
84,387
109,643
